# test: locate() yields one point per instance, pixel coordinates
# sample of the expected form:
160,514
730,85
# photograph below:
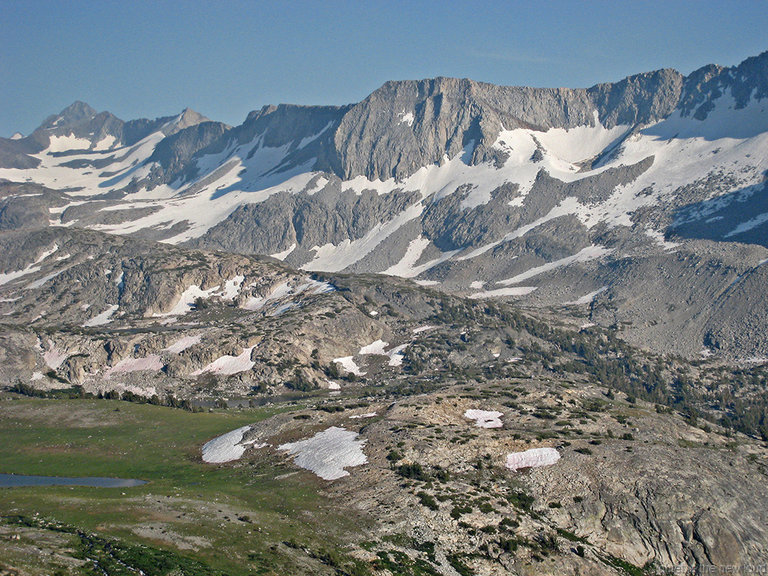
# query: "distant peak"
78,111
189,117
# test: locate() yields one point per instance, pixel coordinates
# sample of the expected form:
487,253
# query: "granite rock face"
634,481
554,257
403,126
285,220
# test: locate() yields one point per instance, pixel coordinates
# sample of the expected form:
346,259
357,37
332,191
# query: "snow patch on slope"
284,254
533,458
330,258
68,142
103,318
512,291
286,296
407,268
228,365
53,357
328,453
485,418
583,255
375,348
187,300
587,298
349,365
183,343
30,269
406,118
225,448
151,363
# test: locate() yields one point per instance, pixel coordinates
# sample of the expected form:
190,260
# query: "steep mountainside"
640,203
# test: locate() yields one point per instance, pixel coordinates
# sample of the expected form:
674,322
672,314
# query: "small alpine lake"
18,480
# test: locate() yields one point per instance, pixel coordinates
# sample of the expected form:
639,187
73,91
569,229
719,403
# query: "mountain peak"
190,117
187,118
77,111
74,114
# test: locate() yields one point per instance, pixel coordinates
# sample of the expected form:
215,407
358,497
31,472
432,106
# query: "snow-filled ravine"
533,458
328,453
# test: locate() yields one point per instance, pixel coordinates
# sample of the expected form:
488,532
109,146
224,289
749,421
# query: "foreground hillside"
114,314
423,489
289,422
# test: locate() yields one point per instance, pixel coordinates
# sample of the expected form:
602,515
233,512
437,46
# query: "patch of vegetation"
570,536
486,508
86,437
109,557
509,545
428,500
331,409
520,500
77,392
414,471
394,456
624,566
457,511
400,564
508,524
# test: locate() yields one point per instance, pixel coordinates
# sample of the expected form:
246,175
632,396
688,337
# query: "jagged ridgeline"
639,204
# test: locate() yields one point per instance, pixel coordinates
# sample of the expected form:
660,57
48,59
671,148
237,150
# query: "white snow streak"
228,365
103,318
349,365
533,458
583,255
126,365
512,291
376,348
284,254
587,298
183,343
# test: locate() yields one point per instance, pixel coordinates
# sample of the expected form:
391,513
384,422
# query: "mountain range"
638,205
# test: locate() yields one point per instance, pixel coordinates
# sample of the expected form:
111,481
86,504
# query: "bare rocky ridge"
449,114
284,220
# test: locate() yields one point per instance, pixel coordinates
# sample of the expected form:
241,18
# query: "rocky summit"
455,328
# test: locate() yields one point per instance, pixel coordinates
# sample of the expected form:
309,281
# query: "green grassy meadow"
233,517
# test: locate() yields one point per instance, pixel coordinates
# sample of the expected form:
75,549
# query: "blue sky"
225,58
